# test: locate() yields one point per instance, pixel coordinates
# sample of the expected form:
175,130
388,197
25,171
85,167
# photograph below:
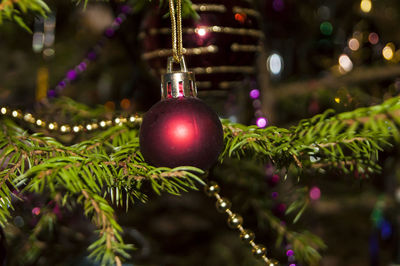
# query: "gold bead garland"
67,128
235,221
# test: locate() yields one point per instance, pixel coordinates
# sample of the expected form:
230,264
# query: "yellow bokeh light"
354,44
387,52
366,6
337,99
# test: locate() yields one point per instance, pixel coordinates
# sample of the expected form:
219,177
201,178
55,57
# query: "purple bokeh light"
71,75
262,122
109,32
51,94
82,66
92,55
315,193
62,84
118,20
125,9
278,5
254,94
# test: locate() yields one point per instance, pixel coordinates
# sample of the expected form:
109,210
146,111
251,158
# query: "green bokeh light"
326,28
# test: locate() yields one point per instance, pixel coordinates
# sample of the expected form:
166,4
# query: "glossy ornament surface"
181,131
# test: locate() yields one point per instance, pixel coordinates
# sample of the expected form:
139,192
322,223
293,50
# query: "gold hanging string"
176,25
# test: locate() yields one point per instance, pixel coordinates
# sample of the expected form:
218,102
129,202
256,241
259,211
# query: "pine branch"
17,10
357,76
109,167
14,10
305,245
350,141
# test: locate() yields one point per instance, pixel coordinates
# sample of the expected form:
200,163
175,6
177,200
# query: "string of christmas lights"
93,53
69,128
71,76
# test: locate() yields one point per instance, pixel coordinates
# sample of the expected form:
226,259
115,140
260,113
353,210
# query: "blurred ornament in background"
221,45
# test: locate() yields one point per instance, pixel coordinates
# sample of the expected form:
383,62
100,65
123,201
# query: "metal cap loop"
171,61
177,84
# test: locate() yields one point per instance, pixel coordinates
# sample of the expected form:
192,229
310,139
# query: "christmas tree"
298,166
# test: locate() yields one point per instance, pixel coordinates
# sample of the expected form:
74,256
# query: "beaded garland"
93,53
68,128
235,221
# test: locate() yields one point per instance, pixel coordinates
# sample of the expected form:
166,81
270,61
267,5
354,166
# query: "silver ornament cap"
177,84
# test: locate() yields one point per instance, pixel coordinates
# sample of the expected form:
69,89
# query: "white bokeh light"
275,64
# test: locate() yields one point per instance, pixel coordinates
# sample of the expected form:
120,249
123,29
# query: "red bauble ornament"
221,45
180,130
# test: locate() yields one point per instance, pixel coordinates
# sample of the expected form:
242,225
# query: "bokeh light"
110,106
373,38
254,94
326,28
386,229
233,119
354,44
315,193
275,64
258,113
125,104
262,122
289,253
201,32
240,17
337,99
257,104
388,51
273,180
36,211
345,63
324,12
278,5
366,6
